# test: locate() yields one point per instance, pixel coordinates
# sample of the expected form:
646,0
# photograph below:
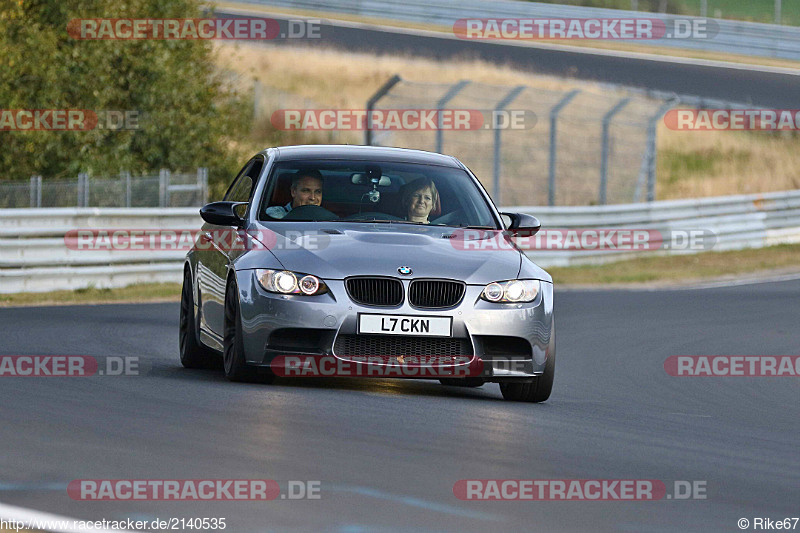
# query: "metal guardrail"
736,222
34,257
747,38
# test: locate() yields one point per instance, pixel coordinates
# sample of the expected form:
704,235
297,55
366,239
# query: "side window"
242,188
237,183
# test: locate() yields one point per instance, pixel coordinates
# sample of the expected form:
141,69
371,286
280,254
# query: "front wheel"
236,368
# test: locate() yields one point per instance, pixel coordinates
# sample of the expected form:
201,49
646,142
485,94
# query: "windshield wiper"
463,226
382,221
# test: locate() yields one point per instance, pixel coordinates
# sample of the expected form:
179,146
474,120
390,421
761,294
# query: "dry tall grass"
690,164
695,164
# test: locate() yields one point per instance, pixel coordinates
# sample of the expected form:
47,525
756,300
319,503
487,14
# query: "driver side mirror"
522,225
223,213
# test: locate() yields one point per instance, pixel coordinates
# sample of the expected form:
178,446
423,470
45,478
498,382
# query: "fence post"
163,188
607,118
449,95
80,190
513,93
125,177
647,170
551,181
83,189
202,184
36,191
380,93
256,98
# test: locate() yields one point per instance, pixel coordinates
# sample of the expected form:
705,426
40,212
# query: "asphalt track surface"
761,87
388,452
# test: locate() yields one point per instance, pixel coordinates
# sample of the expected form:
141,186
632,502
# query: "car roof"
362,153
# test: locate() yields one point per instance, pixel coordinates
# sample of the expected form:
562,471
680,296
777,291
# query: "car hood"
340,250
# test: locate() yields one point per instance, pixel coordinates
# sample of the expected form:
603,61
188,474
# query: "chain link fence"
162,190
576,147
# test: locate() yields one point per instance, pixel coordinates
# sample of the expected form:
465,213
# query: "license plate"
434,326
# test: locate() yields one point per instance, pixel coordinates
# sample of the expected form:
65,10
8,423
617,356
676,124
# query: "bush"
187,115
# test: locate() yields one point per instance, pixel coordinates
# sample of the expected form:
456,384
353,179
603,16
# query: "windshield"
369,191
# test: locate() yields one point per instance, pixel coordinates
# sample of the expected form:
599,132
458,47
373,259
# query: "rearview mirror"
222,213
360,178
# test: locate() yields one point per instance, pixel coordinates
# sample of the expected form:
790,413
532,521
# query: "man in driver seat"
306,189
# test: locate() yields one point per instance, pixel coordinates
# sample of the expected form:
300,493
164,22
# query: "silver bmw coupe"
367,261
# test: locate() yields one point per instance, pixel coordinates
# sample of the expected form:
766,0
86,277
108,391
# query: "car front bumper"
512,341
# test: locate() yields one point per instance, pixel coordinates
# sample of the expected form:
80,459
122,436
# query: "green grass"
753,10
679,268
146,292
677,165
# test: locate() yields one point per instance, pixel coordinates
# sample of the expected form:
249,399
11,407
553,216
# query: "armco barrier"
34,258
748,38
741,221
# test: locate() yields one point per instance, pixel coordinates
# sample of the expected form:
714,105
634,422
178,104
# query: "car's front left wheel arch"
233,353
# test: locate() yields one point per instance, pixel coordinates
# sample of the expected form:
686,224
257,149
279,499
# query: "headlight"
514,291
285,282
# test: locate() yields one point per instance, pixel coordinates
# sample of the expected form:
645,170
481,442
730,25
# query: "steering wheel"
310,213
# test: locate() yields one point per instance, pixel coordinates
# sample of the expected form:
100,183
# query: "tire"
236,368
193,354
462,382
539,389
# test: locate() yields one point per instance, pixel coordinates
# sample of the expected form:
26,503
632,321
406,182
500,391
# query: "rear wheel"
539,389
236,368
193,354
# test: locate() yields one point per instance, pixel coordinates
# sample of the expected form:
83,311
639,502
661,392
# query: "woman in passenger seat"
419,200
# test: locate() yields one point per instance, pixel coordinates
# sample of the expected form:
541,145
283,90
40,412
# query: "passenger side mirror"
521,224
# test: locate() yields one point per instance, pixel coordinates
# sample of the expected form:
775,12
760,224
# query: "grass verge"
677,269
145,292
